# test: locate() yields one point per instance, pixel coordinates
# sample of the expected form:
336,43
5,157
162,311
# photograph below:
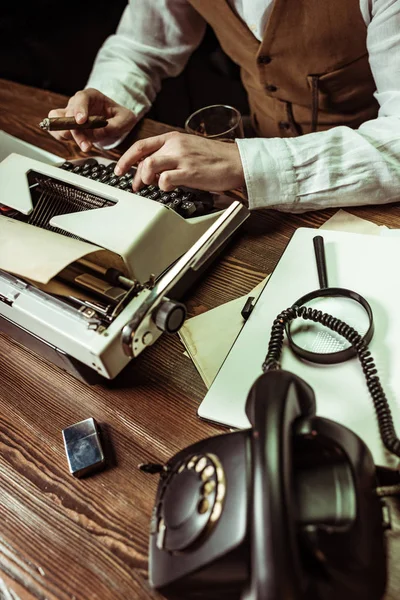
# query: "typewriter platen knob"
169,315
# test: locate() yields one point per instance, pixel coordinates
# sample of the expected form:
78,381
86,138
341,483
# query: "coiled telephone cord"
382,409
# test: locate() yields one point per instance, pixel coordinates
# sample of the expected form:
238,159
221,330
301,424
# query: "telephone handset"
286,509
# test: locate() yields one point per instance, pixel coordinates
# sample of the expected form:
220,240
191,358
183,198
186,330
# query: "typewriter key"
113,181
154,195
164,199
187,196
129,174
91,162
67,166
173,196
95,175
144,192
123,184
110,168
105,177
187,209
175,204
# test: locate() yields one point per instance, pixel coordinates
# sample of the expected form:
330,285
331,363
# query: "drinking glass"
217,122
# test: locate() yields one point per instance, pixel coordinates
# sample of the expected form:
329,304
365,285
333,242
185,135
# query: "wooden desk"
64,539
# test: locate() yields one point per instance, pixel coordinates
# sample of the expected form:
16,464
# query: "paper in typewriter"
39,255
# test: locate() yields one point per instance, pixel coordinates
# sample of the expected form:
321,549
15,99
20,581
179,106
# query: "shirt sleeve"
154,40
341,166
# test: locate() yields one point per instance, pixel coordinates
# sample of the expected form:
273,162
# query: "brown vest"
311,70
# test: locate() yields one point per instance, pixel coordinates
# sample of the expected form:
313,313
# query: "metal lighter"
83,447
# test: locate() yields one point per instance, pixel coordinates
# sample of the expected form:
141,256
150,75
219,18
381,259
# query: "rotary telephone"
285,510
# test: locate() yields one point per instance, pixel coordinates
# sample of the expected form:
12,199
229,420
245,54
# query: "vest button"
283,125
271,88
264,60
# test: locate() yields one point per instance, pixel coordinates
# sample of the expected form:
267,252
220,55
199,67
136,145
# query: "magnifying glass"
314,341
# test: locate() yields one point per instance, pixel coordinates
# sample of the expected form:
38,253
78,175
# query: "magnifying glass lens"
319,339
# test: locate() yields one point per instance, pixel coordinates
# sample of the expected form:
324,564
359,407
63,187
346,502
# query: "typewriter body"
90,272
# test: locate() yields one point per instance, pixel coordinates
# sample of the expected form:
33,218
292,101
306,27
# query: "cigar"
63,123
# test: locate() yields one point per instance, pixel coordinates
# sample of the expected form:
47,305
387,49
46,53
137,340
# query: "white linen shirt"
338,167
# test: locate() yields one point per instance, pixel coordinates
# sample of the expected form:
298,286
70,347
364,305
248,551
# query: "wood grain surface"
65,539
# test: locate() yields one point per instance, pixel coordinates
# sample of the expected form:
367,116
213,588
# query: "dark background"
52,45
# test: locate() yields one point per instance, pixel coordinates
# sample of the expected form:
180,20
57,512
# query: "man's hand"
175,159
92,102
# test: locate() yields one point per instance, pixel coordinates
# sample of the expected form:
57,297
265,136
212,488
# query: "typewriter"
92,273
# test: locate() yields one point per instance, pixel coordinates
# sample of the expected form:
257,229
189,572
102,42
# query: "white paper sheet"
38,254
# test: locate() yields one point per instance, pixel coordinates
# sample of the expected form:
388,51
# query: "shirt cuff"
269,173
111,145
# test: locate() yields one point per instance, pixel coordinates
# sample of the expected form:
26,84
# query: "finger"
169,180
116,129
57,112
137,180
117,124
139,150
78,106
63,135
83,139
155,164
59,135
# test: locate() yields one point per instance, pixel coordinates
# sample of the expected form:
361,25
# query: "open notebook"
359,262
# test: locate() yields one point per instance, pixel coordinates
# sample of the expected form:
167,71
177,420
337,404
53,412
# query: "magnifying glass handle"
319,250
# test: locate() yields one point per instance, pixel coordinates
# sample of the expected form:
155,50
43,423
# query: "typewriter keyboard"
187,203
